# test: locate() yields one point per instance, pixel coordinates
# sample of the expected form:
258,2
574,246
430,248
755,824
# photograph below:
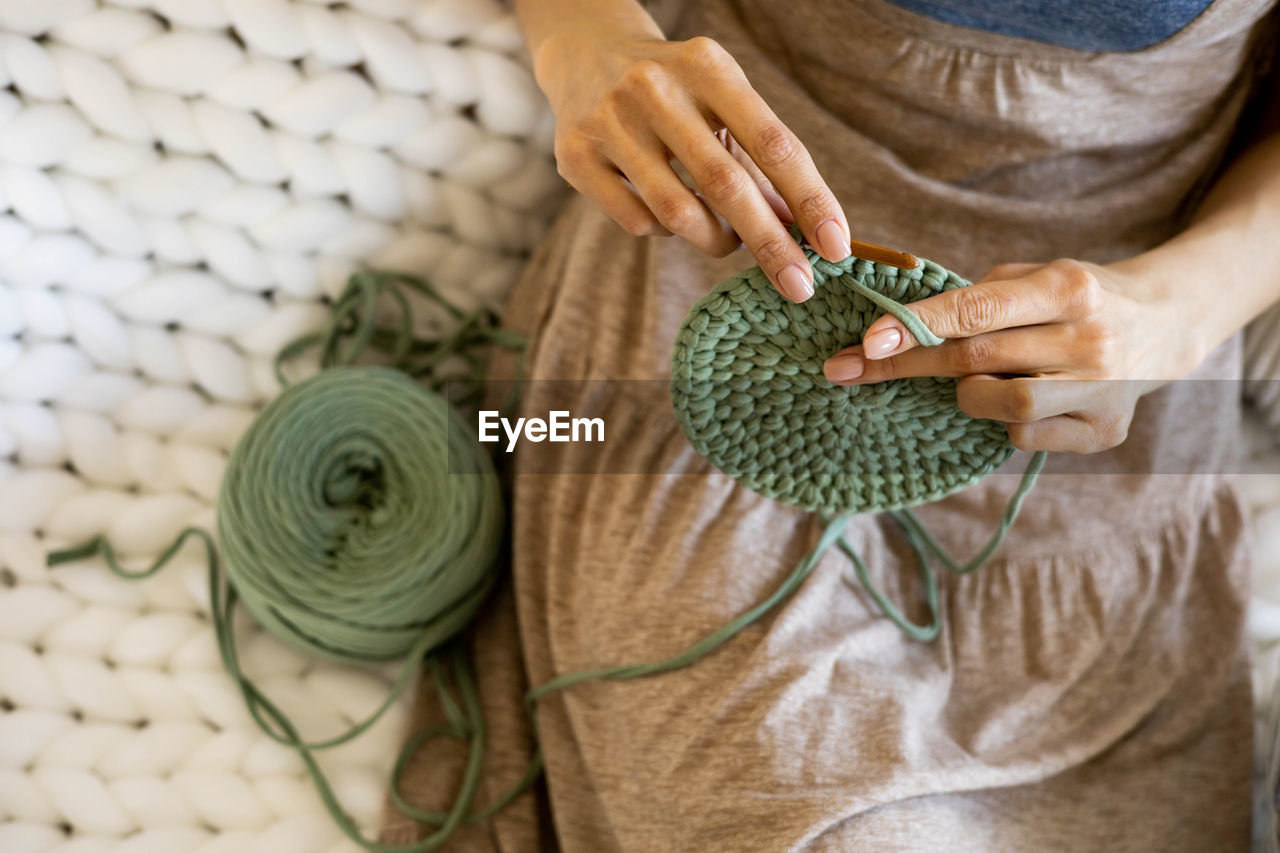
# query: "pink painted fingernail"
832,240
881,343
843,368
794,283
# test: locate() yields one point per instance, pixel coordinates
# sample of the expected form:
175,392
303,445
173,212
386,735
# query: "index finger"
730,190
783,159
967,311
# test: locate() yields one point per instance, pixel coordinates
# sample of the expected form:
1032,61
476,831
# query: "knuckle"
1020,403
814,206
1106,349
776,146
618,101
1101,347
1111,429
977,310
969,355
644,76
571,147
565,150
704,51
772,252
638,226
723,181
1082,291
723,248
675,212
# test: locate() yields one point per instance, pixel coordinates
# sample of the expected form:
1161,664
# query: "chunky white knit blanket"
182,182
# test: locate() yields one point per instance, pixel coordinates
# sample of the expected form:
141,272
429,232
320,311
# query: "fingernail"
794,283
842,368
881,343
832,240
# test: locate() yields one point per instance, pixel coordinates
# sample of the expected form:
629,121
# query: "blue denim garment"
1094,25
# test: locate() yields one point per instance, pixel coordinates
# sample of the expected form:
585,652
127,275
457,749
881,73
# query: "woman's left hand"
1116,336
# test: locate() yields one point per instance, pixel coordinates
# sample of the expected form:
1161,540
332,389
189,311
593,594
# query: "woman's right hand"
627,104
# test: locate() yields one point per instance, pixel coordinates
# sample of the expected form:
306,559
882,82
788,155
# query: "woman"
1089,689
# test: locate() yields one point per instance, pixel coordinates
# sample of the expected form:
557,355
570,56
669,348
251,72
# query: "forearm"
1224,269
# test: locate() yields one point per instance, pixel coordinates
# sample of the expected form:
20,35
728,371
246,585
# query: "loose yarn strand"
222,599
924,633
1029,475
831,532
923,334
354,315
923,544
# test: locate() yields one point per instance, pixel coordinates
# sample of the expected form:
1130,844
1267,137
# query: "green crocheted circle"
749,392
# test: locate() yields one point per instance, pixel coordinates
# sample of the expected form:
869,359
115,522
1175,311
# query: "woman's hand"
627,103
1117,334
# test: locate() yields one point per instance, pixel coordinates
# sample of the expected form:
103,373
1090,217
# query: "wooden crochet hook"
881,255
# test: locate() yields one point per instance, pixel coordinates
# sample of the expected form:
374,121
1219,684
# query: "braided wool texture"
748,389
184,185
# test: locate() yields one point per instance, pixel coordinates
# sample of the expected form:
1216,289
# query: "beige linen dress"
1089,690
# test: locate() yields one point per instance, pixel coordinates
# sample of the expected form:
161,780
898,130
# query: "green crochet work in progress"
360,520
748,389
749,392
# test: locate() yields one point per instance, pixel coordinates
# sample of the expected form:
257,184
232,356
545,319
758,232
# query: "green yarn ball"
358,512
749,393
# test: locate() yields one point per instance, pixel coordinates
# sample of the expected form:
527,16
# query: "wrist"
563,39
